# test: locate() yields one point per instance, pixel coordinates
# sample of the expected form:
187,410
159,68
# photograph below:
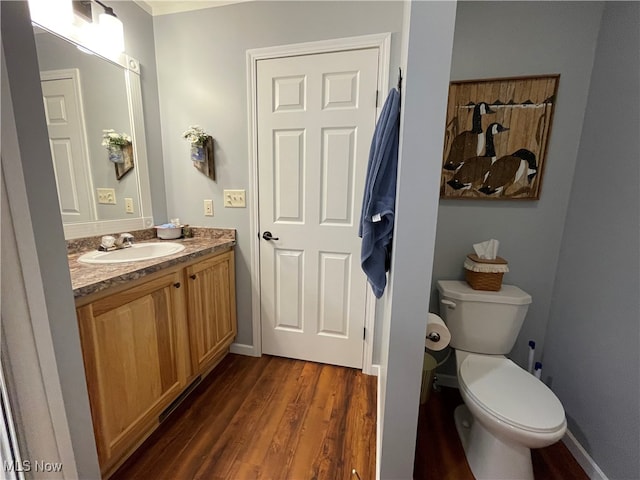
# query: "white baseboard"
373,371
242,349
587,463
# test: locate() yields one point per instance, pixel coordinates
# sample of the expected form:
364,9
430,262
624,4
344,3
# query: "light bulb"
111,34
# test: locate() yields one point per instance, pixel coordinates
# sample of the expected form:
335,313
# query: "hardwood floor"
274,418
439,454
266,418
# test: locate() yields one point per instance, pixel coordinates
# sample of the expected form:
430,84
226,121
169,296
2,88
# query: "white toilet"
507,410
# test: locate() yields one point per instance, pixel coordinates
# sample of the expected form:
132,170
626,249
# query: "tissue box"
484,274
168,233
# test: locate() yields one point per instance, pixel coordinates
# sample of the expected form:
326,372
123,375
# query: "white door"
67,139
316,117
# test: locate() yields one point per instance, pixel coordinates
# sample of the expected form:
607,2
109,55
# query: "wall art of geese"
496,137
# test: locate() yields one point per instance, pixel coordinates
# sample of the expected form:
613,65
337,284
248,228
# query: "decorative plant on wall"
201,149
120,151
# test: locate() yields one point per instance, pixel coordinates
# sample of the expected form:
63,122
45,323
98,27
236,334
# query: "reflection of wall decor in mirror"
496,137
98,92
201,150
124,167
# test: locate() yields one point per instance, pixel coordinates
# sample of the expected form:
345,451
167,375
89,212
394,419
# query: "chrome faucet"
124,240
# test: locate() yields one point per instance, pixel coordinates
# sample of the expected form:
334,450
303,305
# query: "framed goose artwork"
496,137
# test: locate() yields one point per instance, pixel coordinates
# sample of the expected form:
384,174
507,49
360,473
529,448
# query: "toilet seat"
509,393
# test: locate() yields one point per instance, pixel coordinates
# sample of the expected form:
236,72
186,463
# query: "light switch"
106,196
234,199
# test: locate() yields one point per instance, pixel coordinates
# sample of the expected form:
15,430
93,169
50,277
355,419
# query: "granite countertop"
91,278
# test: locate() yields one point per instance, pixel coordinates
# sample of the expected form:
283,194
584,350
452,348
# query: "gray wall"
139,43
503,39
24,79
201,59
591,357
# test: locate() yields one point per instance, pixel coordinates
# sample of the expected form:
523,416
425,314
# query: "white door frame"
383,43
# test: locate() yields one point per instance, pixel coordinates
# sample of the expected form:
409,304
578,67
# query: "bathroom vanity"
149,331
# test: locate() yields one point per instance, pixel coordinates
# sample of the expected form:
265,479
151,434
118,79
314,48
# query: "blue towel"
378,204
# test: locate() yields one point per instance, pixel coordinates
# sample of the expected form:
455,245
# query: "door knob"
267,236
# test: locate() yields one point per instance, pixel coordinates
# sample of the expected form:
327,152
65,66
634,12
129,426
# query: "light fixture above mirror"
90,23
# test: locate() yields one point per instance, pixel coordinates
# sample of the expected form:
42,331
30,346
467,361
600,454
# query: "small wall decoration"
127,165
201,153
120,151
496,137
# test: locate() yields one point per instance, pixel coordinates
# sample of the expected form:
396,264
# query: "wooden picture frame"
207,167
125,167
496,137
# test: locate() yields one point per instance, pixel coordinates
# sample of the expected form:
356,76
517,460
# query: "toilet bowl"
507,411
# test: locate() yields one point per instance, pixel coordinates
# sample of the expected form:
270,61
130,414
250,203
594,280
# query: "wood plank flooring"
276,418
439,453
266,418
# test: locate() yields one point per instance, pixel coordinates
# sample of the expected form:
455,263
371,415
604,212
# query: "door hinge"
364,333
377,94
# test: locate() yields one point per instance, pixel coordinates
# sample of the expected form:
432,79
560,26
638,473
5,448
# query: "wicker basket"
491,281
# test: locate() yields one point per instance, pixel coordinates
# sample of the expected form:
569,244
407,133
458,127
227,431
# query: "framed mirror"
88,100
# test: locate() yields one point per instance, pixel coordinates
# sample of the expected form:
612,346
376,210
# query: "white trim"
375,370
243,349
369,325
380,41
587,463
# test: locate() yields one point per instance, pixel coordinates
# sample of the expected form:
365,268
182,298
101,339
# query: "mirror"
84,95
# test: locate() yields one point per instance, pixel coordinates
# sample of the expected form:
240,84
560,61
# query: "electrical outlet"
234,199
106,196
208,208
128,205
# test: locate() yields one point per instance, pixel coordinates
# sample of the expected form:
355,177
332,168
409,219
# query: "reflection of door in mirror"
102,100
67,138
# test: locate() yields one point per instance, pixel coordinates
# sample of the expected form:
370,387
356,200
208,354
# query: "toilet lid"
510,393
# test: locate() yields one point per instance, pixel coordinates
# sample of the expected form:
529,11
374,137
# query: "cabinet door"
212,309
135,349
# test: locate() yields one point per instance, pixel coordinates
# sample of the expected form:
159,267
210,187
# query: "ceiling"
166,7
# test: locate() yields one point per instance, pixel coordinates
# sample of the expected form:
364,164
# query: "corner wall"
591,357
506,39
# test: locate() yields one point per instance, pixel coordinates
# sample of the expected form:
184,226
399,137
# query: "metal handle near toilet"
448,303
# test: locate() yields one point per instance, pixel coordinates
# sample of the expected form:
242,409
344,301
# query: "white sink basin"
135,253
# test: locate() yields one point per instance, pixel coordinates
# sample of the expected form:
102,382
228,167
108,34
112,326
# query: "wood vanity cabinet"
144,343
212,309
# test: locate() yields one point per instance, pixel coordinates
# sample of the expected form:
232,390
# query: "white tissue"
488,249
442,337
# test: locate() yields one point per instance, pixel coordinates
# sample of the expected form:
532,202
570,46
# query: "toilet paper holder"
433,336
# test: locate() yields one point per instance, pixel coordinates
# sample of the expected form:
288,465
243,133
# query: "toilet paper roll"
438,335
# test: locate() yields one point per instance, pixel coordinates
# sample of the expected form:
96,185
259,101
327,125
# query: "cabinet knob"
177,284
192,276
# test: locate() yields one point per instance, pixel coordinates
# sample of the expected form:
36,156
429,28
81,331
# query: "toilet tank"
482,321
